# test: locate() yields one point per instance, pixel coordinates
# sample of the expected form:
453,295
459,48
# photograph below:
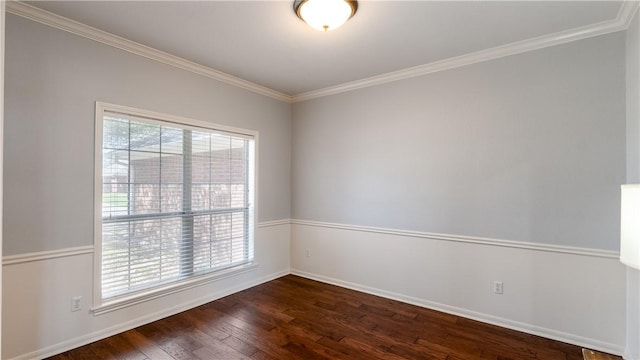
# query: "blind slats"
176,202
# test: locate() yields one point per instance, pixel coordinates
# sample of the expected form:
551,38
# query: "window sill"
138,298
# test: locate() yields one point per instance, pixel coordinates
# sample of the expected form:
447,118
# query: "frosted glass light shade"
630,226
325,15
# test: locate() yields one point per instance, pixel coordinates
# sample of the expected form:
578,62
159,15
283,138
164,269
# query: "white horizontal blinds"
177,202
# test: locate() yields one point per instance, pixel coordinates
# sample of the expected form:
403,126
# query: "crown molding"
621,22
626,13
47,18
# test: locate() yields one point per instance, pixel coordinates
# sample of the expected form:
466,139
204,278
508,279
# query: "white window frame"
99,305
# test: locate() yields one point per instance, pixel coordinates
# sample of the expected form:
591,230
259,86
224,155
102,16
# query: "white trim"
81,250
172,288
265,224
469,314
97,202
101,107
148,318
47,18
467,239
627,11
46,255
609,254
621,22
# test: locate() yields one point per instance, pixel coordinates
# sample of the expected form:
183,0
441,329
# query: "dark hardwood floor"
296,318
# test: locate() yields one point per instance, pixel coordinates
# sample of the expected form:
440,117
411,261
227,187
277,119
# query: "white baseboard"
104,333
506,323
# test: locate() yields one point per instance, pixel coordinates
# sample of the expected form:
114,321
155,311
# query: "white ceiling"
265,43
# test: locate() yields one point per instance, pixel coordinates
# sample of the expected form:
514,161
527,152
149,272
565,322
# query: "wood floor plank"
217,352
313,349
123,350
240,346
103,350
146,346
176,351
415,352
259,355
296,318
62,356
368,350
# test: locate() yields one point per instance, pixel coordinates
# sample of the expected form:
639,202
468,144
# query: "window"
175,198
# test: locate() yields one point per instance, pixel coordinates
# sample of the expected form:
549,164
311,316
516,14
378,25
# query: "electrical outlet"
76,303
307,253
498,287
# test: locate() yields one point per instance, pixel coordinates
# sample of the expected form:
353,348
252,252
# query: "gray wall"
633,102
632,350
53,79
528,148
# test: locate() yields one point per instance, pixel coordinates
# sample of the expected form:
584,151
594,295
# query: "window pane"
221,244
144,137
202,243
145,178
237,195
115,258
139,253
201,162
200,197
115,133
171,168
144,199
221,175
115,183
238,231
171,140
201,142
171,200
221,196
144,167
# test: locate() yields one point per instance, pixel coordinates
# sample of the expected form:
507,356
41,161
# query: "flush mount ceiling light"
325,15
